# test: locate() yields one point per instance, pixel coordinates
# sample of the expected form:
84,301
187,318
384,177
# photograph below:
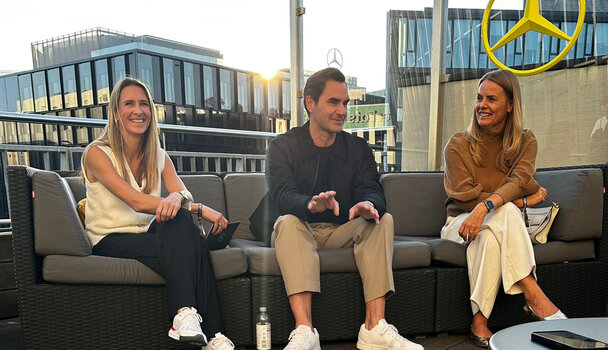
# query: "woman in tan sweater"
489,171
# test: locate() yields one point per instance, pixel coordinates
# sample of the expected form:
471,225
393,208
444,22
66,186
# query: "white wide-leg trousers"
502,252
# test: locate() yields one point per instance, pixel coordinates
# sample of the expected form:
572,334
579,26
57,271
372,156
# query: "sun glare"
268,73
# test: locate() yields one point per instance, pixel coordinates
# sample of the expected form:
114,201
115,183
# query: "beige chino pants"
296,244
502,252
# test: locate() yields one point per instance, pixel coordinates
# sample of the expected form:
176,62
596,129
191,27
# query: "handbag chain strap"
525,212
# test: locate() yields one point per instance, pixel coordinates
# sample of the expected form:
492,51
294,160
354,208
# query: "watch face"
489,205
183,193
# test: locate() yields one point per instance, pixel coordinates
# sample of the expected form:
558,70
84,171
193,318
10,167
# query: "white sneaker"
219,342
384,336
303,338
187,327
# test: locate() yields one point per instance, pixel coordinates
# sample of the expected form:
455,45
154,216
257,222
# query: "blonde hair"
513,132
112,136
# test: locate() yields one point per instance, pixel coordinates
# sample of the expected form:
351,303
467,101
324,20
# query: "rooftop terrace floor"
10,340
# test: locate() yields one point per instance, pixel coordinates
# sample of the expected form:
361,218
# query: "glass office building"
75,73
409,36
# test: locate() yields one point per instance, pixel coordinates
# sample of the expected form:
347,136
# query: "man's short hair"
316,83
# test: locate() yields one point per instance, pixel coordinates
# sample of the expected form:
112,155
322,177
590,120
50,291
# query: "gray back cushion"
416,201
579,193
57,227
243,194
77,186
207,189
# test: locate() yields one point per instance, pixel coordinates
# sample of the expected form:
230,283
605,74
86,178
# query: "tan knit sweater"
467,184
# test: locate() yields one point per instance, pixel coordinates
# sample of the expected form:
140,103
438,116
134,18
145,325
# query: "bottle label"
264,341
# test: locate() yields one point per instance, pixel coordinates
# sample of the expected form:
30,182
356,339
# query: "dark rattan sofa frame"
114,316
72,316
579,288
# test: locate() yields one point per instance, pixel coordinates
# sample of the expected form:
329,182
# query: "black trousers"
176,250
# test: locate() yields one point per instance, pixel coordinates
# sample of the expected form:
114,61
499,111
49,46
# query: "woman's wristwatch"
184,194
489,205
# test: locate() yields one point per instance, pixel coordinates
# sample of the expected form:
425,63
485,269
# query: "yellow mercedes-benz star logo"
532,20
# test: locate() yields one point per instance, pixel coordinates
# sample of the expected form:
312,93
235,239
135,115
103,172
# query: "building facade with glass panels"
187,83
409,68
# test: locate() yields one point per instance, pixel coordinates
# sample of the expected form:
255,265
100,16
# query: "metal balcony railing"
66,157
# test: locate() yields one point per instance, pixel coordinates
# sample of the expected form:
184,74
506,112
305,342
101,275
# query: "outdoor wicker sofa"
71,299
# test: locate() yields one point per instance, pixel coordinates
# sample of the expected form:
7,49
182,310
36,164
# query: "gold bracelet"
192,208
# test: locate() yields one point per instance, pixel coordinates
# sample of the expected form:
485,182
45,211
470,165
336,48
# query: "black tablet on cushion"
220,241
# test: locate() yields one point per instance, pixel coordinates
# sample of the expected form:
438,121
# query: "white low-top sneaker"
303,338
187,327
219,342
384,336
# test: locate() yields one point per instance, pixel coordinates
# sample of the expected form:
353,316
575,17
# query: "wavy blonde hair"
112,137
513,133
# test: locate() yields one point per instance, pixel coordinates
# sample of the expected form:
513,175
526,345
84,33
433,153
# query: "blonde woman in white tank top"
126,217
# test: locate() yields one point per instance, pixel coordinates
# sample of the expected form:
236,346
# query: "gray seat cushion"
243,194
417,202
580,196
448,252
557,252
263,261
57,227
93,269
443,251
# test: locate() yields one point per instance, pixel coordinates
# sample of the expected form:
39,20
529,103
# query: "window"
286,94
25,94
52,135
273,98
12,94
425,32
169,80
602,39
10,131
259,102
159,111
189,91
86,84
533,48
81,132
40,100
243,92
149,74
55,89
69,86
118,68
210,86
37,131
462,41
102,81
23,133
226,89
3,101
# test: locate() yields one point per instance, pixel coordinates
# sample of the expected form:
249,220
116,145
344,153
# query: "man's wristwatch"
369,203
489,205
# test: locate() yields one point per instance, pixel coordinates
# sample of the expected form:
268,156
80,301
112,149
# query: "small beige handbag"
539,220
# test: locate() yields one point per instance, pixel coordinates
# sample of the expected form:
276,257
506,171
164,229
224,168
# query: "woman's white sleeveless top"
105,213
